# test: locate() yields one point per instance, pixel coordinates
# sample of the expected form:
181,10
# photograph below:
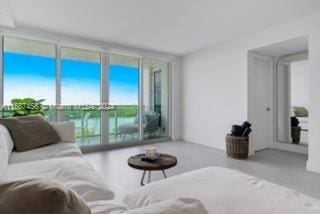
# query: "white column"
175,97
1,73
104,98
141,104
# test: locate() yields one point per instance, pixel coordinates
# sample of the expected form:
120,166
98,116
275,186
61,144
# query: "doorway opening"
278,104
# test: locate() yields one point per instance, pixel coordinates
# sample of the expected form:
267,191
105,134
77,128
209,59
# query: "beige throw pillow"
30,132
39,197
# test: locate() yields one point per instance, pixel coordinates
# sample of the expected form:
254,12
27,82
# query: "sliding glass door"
76,84
124,98
80,93
155,99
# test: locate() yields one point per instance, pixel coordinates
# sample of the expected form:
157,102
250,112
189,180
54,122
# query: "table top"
164,161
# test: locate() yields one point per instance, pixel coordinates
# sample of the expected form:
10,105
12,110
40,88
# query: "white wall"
215,85
300,83
314,88
214,95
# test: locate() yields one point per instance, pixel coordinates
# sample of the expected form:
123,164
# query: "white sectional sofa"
63,162
220,190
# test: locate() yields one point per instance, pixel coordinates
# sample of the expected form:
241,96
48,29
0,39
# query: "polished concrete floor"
281,167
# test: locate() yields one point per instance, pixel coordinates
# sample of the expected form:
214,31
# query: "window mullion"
58,82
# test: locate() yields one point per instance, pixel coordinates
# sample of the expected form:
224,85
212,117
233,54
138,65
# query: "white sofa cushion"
226,191
66,130
65,148
73,172
57,150
6,146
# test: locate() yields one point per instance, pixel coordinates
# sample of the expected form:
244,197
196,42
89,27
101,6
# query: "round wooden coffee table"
163,162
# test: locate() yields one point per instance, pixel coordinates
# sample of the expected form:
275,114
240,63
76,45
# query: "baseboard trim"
313,167
119,145
290,147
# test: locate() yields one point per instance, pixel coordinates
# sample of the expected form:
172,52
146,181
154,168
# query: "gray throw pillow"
39,197
30,132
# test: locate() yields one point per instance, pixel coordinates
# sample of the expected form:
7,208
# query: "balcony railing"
88,122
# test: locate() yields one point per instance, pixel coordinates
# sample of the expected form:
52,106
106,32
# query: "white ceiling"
285,48
6,18
173,26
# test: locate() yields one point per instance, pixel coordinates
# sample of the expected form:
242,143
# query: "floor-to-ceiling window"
73,84
29,72
80,93
124,97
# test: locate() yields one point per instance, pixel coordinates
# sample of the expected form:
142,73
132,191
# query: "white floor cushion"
174,206
226,191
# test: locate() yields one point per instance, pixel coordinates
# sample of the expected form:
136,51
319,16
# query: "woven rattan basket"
295,134
237,147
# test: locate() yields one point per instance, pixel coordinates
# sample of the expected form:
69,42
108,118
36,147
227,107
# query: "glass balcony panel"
80,91
124,97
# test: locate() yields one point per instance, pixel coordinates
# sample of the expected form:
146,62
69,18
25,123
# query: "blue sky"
34,76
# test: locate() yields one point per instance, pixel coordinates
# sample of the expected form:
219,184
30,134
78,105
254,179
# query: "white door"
260,85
